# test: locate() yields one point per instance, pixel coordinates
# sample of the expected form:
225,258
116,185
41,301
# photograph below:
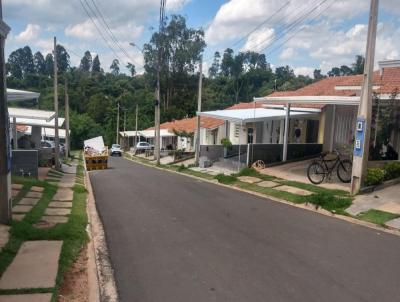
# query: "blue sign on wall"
360,137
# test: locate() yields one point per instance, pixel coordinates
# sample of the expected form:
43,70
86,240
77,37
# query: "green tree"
96,66
86,62
131,69
40,63
49,62
358,65
214,69
14,63
63,59
115,67
318,74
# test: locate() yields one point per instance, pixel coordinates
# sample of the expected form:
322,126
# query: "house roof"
20,95
32,114
189,125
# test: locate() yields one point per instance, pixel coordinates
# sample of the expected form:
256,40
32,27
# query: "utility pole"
363,128
197,148
56,137
136,123
5,148
117,139
157,103
67,141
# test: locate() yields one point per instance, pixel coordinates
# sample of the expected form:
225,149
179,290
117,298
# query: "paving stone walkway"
249,179
4,235
34,266
386,200
293,190
27,203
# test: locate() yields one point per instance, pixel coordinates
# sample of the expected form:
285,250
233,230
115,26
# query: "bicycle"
321,168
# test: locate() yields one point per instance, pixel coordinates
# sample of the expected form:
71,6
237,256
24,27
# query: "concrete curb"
102,286
311,208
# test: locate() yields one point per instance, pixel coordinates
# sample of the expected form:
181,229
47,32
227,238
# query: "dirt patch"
75,285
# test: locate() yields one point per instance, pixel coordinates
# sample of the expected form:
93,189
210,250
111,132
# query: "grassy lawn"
377,217
73,233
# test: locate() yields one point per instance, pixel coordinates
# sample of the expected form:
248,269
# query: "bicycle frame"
328,170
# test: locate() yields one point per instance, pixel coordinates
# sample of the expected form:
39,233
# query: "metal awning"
32,114
47,132
321,99
21,95
252,115
39,123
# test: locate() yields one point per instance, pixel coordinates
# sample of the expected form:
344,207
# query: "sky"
304,34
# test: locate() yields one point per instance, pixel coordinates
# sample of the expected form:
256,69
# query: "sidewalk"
44,212
386,200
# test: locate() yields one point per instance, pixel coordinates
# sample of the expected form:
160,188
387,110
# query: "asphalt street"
177,239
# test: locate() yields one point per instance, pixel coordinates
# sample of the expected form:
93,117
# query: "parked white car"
116,150
143,146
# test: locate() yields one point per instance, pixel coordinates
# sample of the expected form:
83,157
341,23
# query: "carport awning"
47,132
39,123
252,115
147,133
32,114
21,95
320,99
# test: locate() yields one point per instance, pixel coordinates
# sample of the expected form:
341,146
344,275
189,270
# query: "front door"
250,135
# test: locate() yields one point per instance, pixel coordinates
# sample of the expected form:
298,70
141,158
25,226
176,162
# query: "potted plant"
226,143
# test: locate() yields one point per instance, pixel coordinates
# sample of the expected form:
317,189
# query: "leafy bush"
226,179
328,201
226,143
392,170
375,176
181,168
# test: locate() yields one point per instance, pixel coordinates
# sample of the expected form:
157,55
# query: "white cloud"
305,71
84,30
259,39
287,53
31,32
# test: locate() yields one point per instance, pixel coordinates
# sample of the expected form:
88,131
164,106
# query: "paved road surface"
177,239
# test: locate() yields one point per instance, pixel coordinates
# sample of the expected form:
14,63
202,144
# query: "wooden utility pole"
5,148
197,147
136,123
117,139
67,140
363,128
56,137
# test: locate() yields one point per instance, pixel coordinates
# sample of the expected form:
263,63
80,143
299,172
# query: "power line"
312,20
99,31
108,29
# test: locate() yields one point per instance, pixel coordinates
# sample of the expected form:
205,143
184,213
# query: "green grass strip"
377,217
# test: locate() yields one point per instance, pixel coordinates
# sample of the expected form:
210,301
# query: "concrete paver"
28,201
34,266
395,223
267,184
390,207
249,179
4,235
57,211
55,219
26,298
64,194
21,209
37,189
293,190
60,204
18,217
14,193
34,194
17,186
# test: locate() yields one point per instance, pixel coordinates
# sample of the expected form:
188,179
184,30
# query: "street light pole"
363,128
136,123
117,139
197,148
56,137
5,148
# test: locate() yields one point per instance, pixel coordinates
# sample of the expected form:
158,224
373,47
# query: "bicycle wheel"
344,170
316,173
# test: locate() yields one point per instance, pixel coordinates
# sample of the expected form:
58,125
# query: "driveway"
177,239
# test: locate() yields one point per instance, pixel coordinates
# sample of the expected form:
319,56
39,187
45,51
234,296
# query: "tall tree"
358,65
15,64
28,67
131,69
115,67
335,72
49,61
96,66
86,62
214,69
40,63
345,70
63,59
227,62
318,74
